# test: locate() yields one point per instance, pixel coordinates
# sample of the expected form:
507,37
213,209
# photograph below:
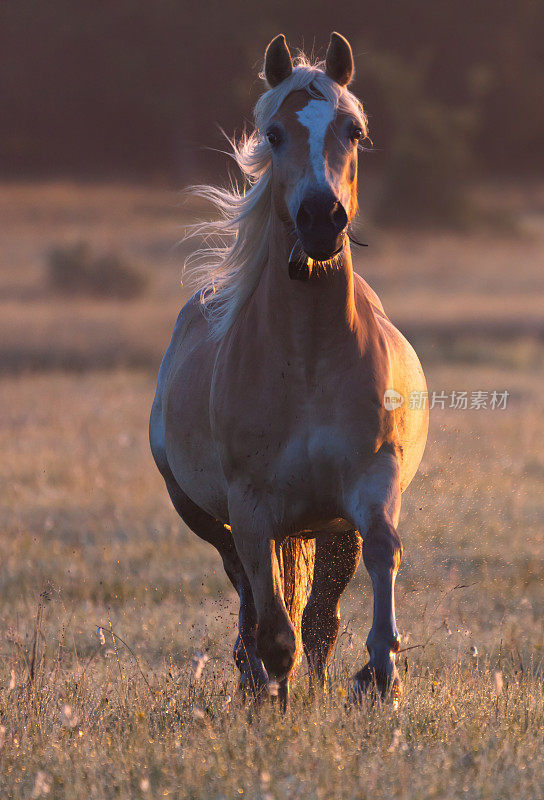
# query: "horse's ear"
339,61
277,61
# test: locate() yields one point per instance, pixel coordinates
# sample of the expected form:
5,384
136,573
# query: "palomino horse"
269,424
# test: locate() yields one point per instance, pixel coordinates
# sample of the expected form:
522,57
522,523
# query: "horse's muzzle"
300,263
321,222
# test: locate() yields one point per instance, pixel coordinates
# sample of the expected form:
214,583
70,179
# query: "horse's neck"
307,314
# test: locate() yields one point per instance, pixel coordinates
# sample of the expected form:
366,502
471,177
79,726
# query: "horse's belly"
195,466
323,525
190,447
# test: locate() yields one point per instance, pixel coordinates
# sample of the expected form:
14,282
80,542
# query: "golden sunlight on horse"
269,424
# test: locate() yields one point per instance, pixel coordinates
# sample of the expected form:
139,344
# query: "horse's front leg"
382,553
258,551
253,678
375,509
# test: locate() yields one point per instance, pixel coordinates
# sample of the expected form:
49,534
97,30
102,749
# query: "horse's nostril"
321,216
339,216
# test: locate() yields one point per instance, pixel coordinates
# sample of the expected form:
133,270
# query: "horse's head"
300,167
313,134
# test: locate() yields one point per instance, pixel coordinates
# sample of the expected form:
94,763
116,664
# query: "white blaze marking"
317,116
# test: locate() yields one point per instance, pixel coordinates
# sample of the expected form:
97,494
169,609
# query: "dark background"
139,88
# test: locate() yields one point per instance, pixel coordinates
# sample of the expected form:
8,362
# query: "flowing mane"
226,269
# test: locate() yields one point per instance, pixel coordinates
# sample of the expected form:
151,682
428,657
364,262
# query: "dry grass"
88,538
85,517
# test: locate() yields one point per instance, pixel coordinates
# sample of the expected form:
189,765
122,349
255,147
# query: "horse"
281,424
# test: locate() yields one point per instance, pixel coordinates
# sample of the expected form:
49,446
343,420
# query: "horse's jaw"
301,264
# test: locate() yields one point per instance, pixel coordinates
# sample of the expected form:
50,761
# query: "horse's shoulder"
364,290
190,313
402,360
189,316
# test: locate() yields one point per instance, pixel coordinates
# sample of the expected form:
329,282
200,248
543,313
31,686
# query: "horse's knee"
276,644
382,547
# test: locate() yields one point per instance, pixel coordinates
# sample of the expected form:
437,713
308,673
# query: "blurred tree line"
140,87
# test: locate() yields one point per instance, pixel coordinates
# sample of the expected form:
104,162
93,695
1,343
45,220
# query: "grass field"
88,539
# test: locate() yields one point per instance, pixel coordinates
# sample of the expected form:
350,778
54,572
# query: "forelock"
311,78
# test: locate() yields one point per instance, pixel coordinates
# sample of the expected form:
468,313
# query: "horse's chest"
296,427
313,457
299,445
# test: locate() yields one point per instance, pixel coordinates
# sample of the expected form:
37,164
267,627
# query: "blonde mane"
227,269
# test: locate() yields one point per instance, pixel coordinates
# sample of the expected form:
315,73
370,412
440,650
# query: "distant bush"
428,156
77,270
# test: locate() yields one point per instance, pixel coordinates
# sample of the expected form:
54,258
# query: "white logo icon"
392,400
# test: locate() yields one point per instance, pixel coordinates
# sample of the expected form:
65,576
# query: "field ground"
88,538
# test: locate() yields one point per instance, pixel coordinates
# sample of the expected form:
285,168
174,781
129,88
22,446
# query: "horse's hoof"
279,694
384,684
253,685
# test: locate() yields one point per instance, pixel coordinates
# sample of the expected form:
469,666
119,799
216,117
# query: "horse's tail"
297,568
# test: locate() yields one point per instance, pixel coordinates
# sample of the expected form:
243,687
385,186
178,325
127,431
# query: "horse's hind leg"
252,673
336,559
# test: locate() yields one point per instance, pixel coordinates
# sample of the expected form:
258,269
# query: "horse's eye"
273,138
356,133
